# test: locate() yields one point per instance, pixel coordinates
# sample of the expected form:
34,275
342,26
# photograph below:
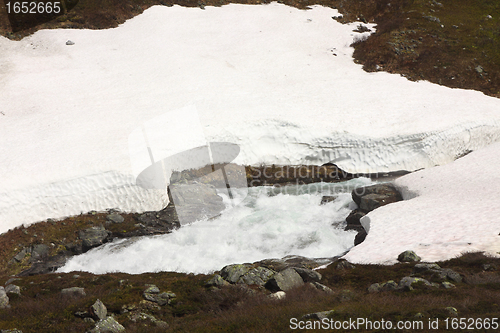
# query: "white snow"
447,211
278,81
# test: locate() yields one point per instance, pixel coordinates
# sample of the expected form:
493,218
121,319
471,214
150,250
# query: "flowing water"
267,223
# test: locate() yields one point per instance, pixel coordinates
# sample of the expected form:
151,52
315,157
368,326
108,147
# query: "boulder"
217,281
407,283
115,218
93,237
38,252
371,197
284,280
353,222
98,311
344,264
152,289
360,237
4,299
73,292
308,275
425,267
321,287
13,289
256,276
232,273
408,256
195,201
108,325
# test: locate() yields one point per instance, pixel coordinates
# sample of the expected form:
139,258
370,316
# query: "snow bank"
448,210
278,81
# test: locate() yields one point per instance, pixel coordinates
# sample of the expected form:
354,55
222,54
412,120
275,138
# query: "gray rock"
344,264
4,299
447,285
422,268
371,197
327,198
93,237
407,283
98,311
308,275
408,256
73,291
13,289
217,281
256,276
374,288
321,287
21,254
152,289
389,286
452,275
318,315
232,273
9,281
14,330
159,298
115,218
39,251
352,220
108,325
68,42
284,280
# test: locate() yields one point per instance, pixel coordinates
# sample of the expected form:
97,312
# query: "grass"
41,308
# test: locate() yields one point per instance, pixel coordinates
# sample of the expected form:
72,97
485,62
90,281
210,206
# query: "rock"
344,264
38,252
4,299
408,256
352,220
284,280
422,268
12,289
447,285
321,287
98,311
232,273
389,286
9,281
432,18
152,289
327,198
407,283
73,292
479,69
68,42
277,295
374,288
452,275
371,197
14,330
360,237
108,325
159,298
318,315
93,237
21,254
47,265
115,218
452,311
308,275
217,281
489,267
256,276
195,201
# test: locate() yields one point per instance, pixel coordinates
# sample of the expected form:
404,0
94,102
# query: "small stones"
152,294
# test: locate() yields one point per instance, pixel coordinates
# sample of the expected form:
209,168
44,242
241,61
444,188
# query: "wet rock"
4,299
93,237
98,311
408,256
48,265
284,280
353,220
73,292
327,198
371,197
360,237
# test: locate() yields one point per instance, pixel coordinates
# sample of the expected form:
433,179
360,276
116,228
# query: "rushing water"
267,223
